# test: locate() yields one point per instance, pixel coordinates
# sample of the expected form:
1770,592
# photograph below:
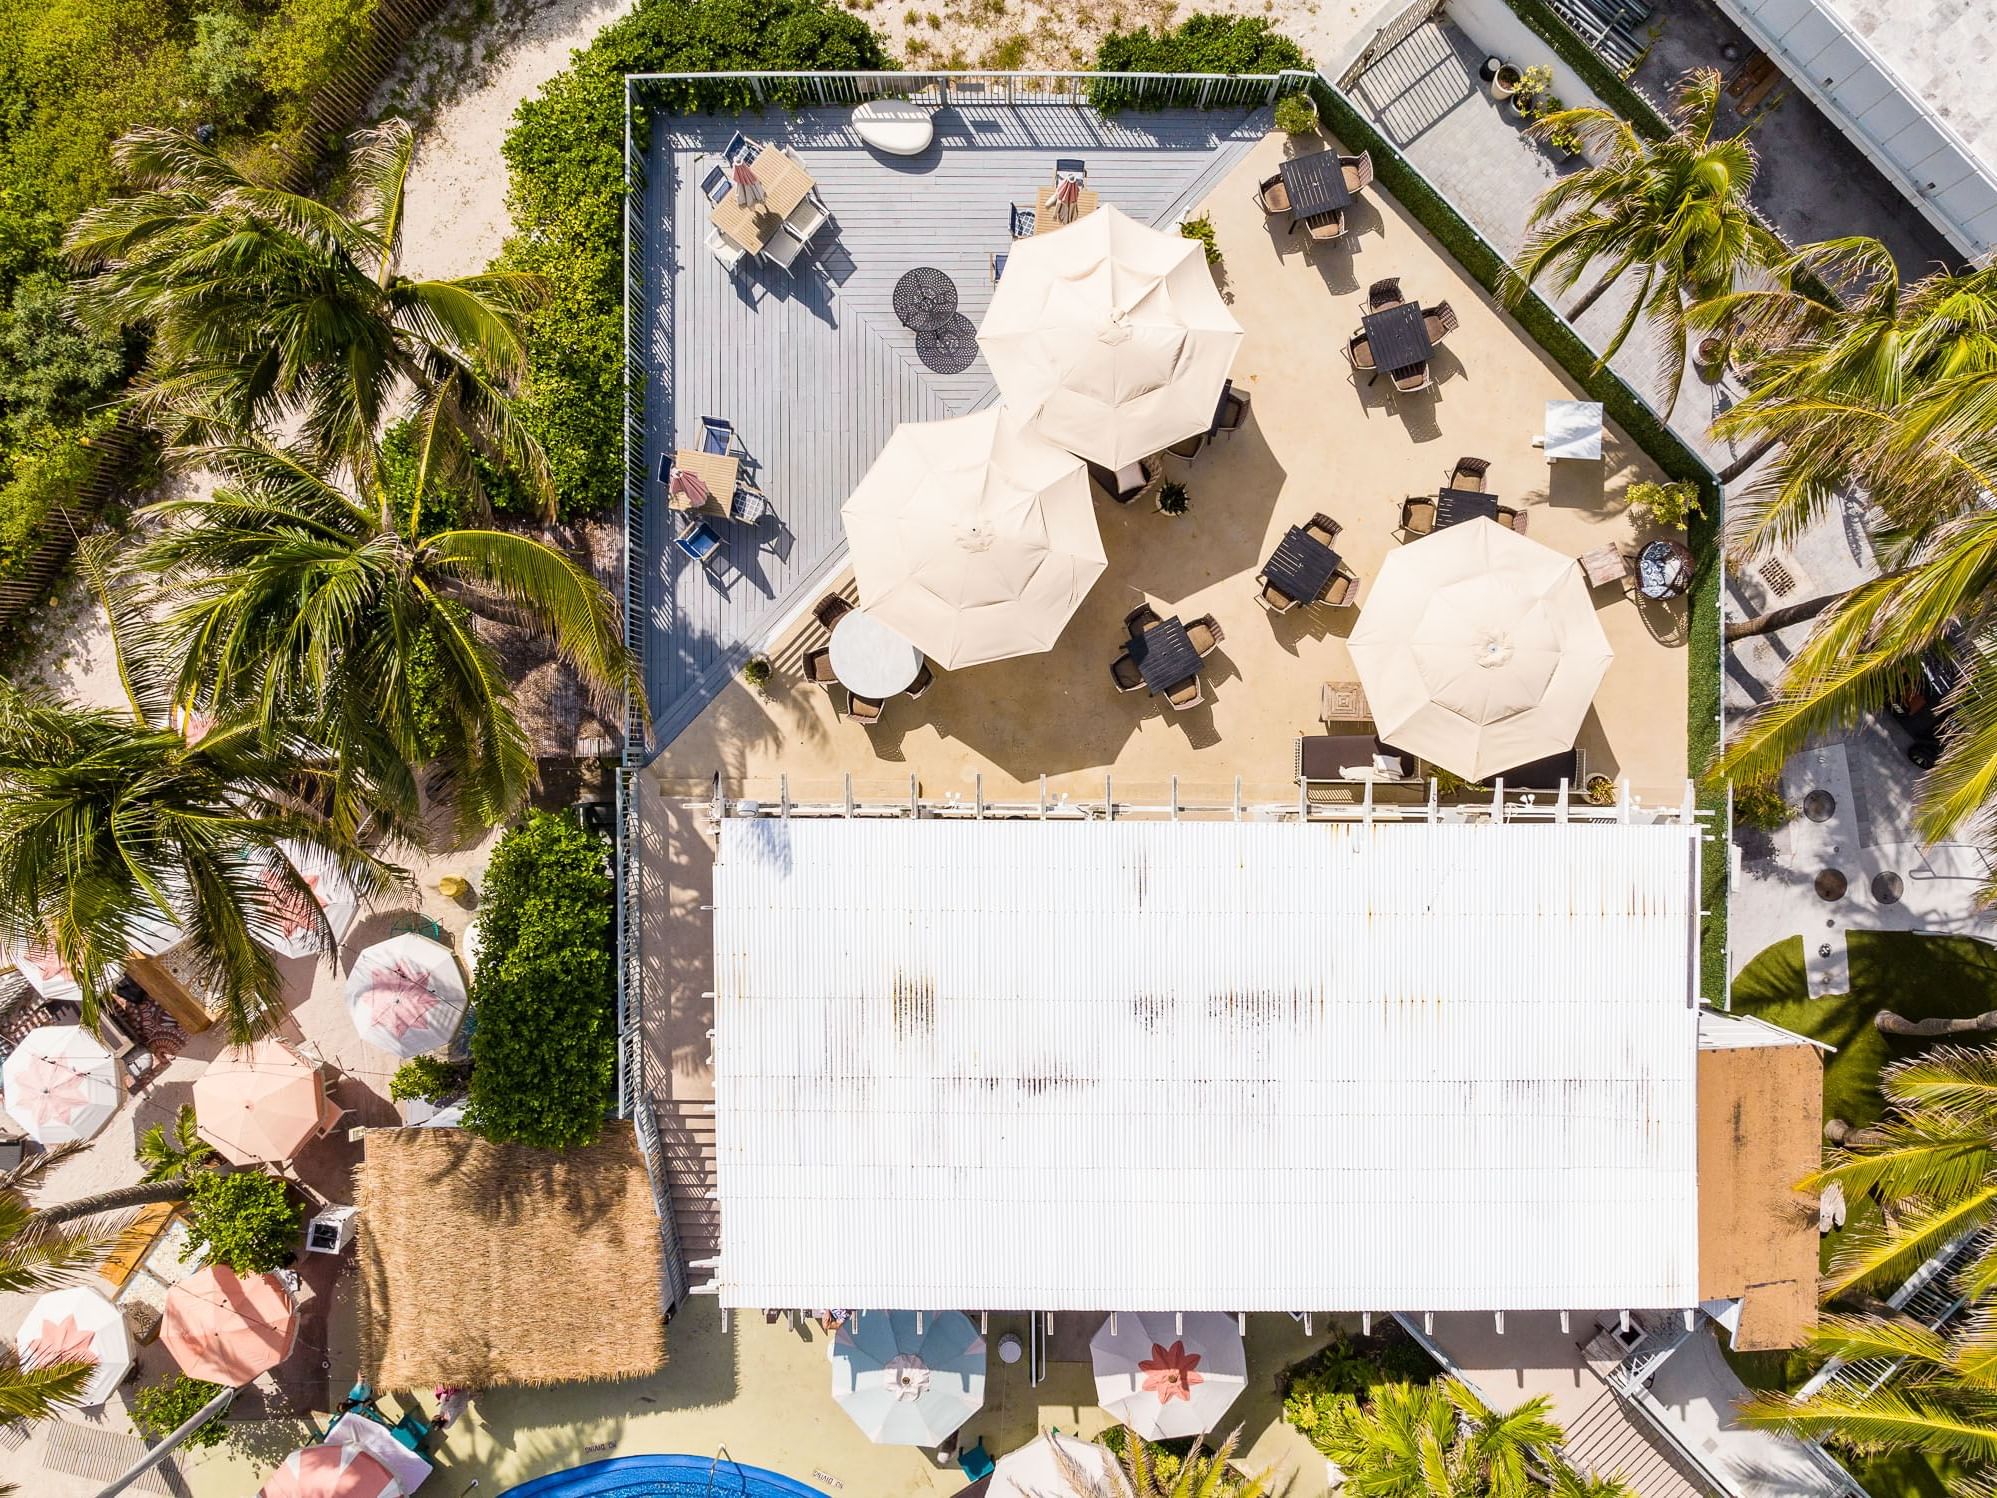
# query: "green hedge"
1665,448
1609,85
565,154
544,1043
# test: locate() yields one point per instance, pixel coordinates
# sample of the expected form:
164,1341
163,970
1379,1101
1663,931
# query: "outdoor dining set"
1314,190
1398,336
1163,656
762,205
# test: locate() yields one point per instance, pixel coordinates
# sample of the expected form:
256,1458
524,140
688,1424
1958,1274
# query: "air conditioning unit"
331,1230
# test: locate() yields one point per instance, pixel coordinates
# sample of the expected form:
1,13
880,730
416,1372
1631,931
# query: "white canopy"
1479,649
1111,336
77,1325
1036,1471
1167,1375
62,1085
973,538
406,994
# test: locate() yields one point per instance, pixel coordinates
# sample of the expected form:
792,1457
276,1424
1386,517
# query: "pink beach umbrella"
295,930
61,1084
748,187
406,994
227,1328
264,1102
78,1326
331,1471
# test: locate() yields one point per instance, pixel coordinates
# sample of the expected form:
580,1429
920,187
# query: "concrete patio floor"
1314,441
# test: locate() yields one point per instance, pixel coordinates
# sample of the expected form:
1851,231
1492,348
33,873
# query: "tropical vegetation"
243,1218
159,1409
1671,213
1149,1469
544,1053
1439,1440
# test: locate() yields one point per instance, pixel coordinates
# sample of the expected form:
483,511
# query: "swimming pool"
664,1477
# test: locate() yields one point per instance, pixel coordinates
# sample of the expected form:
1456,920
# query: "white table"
1573,429
870,658
404,1465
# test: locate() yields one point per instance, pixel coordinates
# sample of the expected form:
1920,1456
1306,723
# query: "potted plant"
1601,790
1490,68
1505,82
1173,498
1533,82
756,671
1710,356
1296,114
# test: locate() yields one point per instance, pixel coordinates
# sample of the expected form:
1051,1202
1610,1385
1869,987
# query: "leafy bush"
431,1078
1203,43
544,1054
222,63
43,471
1351,1366
1760,805
565,157
1201,228
245,1218
1671,505
1295,114
161,1409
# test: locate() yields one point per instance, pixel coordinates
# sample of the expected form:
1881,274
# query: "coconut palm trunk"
1782,618
122,1199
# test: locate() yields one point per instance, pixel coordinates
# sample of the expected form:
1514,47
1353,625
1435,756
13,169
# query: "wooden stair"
686,1139
1609,1439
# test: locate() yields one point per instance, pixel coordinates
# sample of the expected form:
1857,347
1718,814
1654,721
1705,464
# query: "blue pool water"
664,1477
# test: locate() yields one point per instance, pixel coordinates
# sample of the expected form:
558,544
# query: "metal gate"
1390,36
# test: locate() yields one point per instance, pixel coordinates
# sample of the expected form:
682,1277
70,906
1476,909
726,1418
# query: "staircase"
1606,1440
686,1139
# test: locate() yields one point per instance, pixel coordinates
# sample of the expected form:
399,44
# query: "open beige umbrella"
973,538
1479,649
264,1102
1111,336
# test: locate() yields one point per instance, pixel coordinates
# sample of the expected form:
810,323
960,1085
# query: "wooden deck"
811,366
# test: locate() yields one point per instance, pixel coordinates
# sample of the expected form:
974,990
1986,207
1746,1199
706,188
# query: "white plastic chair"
725,249
781,249
806,220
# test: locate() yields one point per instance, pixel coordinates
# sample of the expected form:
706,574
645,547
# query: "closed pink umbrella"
331,1471
226,1328
264,1102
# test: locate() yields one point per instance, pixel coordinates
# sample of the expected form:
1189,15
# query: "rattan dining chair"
1358,171
1124,673
1322,528
1417,515
1139,619
1359,350
1470,474
1414,377
1205,635
1510,519
1186,694
1274,195
1439,320
818,668
924,680
1327,226
1271,597
1383,294
866,710
1342,592
830,609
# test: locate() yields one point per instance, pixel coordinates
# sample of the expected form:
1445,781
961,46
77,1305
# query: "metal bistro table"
1399,337
1316,184
1302,566
1454,506
925,299
870,658
1165,655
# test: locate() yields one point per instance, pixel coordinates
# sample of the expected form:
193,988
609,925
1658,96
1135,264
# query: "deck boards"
813,368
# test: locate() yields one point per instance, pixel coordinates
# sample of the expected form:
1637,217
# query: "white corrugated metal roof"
1205,1065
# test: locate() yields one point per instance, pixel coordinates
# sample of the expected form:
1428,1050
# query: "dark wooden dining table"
1398,335
1301,566
1454,506
1164,655
1316,184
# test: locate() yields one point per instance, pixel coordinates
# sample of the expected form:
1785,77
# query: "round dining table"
870,658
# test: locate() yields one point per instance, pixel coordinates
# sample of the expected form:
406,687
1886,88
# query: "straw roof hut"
487,1264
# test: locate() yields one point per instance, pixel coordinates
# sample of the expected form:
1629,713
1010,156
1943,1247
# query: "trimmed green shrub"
1760,805
1203,43
565,156
1351,1366
431,1078
244,1218
1295,114
544,1053
162,1408
1200,227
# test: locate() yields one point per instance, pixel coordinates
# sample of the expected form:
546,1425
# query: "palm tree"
265,308
1139,1473
1673,211
177,1156
1837,380
1440,1440
115,824
287,591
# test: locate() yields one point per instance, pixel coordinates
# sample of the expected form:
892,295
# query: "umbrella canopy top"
904,1386
263,1102
1041,1469
974,537
1479,649
406,994
295,931
1111,335
61,1084
1166,1376
227,1328
332,1470
77,1325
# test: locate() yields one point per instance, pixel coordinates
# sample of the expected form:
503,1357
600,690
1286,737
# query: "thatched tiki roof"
486,1264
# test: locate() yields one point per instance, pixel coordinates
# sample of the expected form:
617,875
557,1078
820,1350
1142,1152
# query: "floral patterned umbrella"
61,1084
295,931
406,994
77,1326
1168,1376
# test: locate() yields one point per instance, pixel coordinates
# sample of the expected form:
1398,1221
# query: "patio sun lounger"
1350,756
1545,774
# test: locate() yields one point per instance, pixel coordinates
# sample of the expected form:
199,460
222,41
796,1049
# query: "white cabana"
1168,1375
1110,337
974,539
1372,1044
62,1085
406,994
1479,649
78,1325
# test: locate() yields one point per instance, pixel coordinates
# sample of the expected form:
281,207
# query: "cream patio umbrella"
1479,649
1168,1376
61,1084
77,1325
264,1102
1110,336
974,538
1052,1465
